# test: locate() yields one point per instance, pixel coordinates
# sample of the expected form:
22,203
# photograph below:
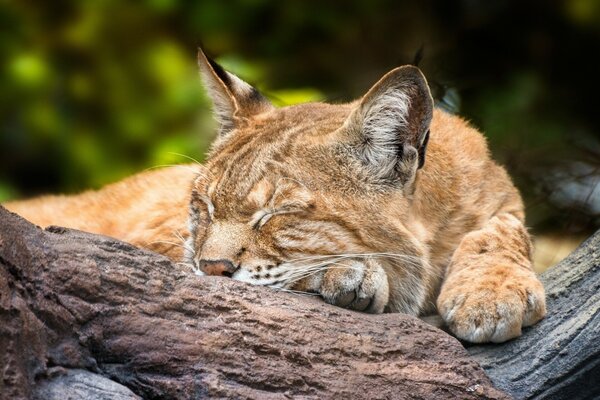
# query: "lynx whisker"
296,292
352,255
193,267
171,165
185,156
179,236
313,269
183,246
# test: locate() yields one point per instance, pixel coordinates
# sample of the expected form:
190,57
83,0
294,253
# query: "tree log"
72,300
86,316
81,385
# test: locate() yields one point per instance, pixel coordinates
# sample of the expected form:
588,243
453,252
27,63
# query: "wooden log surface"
102,319
71,300
78,384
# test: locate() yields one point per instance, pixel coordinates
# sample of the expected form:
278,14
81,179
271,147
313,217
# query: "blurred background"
93,91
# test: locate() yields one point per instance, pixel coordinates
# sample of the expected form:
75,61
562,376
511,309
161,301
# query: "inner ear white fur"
389,124
224,102
384,119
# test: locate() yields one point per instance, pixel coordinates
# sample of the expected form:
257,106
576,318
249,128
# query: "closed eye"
261,217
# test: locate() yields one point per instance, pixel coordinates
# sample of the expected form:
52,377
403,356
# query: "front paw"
491,305
360,285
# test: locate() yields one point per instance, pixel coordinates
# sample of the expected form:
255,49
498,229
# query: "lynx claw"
361,286
490,309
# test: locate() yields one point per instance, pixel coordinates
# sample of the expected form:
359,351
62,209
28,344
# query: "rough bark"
85,316
72,301
558,358
80,384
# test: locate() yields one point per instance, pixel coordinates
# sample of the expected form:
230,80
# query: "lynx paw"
357,285
491,307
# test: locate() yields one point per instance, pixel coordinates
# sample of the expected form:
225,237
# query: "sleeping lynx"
382,204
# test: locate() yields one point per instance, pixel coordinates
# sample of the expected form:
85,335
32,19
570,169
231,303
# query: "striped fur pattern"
329,200
283,223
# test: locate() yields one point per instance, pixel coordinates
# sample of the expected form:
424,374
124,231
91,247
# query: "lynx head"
288,191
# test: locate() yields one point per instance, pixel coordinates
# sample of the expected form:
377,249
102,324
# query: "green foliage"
96,90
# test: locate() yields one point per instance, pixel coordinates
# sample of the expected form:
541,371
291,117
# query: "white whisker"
172,165
306,272
179,236
297,292
183,155
195,270
171,243
332,261
352,255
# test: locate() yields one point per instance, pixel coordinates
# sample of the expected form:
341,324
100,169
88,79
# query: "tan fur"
291,198
149,209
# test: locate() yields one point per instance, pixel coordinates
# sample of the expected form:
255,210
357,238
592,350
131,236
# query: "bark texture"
88,317
137,325
78,384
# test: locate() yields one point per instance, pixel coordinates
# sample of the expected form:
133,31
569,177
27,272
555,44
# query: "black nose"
217,267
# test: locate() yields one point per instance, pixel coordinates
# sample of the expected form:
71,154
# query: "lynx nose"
217,267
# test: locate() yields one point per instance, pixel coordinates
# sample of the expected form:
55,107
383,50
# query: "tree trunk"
86,316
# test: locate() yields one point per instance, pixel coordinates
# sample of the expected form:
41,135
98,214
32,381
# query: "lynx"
384,204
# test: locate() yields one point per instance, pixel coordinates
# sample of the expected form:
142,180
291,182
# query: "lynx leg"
490,290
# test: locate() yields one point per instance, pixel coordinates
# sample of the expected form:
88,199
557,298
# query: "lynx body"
383,204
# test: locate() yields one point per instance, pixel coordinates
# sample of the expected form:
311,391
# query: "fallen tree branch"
72,300
89,313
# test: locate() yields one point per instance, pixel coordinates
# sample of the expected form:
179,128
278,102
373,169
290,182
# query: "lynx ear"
233,99
390,125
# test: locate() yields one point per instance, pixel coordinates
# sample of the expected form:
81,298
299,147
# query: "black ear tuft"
221,73
418,56
423,150
234,100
